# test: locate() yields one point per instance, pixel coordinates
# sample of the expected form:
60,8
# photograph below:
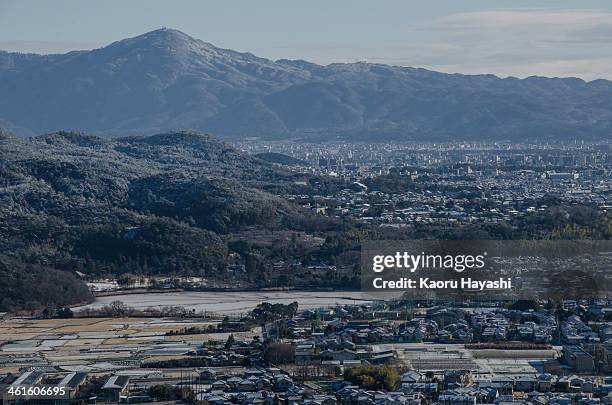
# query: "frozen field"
231,302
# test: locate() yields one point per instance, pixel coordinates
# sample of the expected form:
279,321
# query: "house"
213,398
282,383
461,377
578,359
253,373
220,385
263,384
340,355
526,383
411,377
503,385
247,386
305,355
29,378
116,387
208,375
233,382
382,357
545,382
424,388
72,382
602,354
321,399
392,398
456,399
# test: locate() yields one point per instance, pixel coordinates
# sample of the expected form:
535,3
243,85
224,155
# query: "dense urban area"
448,183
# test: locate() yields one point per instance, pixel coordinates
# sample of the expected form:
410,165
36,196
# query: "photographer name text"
427,283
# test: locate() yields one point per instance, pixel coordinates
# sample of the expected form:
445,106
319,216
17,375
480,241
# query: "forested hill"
158,205
165,79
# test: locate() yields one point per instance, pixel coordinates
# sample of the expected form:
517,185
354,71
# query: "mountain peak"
165,40
165,79
166,35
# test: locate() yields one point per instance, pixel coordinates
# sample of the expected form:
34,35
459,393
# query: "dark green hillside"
29,286
280,158
219,205
164,204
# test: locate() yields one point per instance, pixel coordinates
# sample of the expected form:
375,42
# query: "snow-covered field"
232,302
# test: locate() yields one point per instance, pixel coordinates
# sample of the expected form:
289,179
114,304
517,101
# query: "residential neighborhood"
371,353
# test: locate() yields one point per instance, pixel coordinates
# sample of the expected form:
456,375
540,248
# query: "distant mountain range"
166,80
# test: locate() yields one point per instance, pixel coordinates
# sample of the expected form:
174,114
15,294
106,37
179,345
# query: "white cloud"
511,42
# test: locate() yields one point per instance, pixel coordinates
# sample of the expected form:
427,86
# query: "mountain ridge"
165,80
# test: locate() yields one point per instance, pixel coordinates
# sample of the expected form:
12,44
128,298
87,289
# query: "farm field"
99,344
227,303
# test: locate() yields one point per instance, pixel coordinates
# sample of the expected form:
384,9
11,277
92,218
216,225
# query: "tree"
373,377
161,392
230,341
127,279
118,308
279,353
65,313
48,312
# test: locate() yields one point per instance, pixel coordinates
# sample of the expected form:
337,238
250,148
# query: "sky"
507,38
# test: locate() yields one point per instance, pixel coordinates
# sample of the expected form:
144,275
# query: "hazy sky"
514,37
